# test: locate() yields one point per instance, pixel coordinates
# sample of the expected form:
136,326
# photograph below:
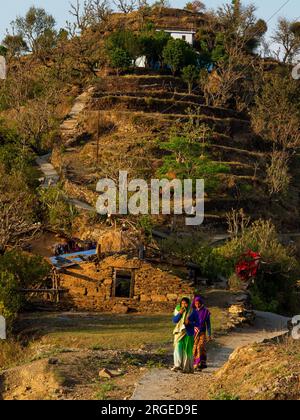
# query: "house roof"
69,260
180,31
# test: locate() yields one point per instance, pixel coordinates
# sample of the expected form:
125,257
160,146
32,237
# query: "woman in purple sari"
202,330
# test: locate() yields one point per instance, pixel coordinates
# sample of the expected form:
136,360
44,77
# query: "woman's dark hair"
185,299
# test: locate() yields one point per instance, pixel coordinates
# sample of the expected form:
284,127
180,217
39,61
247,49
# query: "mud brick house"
121,284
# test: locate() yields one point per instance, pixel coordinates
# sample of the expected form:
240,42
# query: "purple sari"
203,316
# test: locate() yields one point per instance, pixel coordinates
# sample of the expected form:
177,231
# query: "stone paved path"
162,384
69,128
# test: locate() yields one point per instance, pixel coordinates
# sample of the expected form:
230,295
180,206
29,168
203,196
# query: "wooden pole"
98,138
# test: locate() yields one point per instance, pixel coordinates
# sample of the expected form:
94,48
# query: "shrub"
274,286
119,59
177,54
18,271
189,75
235,283
58,212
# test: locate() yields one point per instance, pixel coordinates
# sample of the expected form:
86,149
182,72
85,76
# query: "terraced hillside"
126,116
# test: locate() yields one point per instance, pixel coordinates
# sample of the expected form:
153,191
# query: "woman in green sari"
185,320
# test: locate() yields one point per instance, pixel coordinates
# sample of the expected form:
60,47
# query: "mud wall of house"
92,290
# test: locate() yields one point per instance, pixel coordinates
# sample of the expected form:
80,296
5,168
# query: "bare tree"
276,114
238,222
224,84
278,178
88,14
16,211
195,6
126,6
287,36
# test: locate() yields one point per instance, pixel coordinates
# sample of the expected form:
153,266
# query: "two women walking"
193,325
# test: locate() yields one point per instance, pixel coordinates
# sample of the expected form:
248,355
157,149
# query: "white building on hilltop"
185,35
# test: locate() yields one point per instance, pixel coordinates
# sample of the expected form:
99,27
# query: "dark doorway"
123,284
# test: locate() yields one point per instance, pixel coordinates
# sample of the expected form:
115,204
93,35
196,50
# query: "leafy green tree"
126,41
19,270
10,299
287,36
15,45
119,59
152,45
190,74
34,26
178,54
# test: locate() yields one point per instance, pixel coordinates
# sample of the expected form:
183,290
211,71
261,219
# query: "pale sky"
59,9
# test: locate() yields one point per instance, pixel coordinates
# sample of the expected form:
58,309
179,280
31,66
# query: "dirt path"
162,384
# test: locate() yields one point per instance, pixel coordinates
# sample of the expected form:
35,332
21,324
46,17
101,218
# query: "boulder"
105,374
120,308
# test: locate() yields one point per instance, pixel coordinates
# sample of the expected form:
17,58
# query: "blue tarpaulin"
68,260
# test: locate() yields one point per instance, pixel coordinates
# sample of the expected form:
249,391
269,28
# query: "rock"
105,374
145,298
159,298
53,361
172,297
236,309
120,308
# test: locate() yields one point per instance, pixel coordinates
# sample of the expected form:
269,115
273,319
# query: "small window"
184,37
123,284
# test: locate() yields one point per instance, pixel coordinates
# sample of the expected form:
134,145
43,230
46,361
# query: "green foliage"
119,59
224,396
187,160
34,27
275,285
58,212
212,263
152,45
146,225
190,74
18,271
15,45
195,250
14,157
3,50
10,299
127,41
178,54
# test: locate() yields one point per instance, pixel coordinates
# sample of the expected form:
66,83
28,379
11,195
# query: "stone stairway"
51,177
70,127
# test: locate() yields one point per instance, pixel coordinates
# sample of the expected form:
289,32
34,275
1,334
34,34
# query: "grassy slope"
261,372
131,123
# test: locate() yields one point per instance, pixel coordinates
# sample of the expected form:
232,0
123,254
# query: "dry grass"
117,332
12,353
261,372
59,333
